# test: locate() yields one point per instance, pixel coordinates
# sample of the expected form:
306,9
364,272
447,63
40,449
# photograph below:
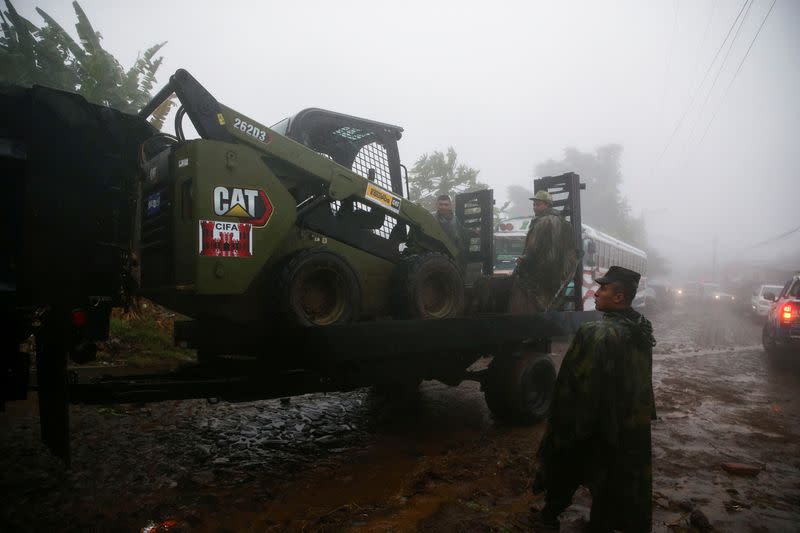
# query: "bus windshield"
506,251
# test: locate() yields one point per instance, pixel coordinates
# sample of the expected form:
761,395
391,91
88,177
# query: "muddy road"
353,462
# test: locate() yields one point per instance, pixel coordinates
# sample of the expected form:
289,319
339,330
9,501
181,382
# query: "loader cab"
367,148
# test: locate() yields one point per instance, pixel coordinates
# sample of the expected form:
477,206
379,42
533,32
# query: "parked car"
712,292
722,297
664,294
645,300
689,292
781,330
696,292
759,304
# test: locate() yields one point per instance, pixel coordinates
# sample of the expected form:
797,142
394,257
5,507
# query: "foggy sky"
512,85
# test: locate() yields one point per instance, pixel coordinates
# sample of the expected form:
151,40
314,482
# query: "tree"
49,56
519,201
657,263
500,213
603,205
440,173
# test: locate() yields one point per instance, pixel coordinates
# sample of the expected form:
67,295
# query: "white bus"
600,252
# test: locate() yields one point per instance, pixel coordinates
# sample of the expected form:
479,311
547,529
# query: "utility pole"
714,261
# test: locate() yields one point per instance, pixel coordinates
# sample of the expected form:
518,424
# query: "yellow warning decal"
221,119
382,198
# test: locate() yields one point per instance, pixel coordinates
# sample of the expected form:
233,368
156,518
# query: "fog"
511,84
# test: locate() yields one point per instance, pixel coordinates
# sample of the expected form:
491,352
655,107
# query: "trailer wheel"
430,286
397,393
768,341
494,387
320,289
519,388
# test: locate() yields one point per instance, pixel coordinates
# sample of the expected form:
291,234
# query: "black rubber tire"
320,289
519,388
206,355
429,286
768,341
398,392
494,387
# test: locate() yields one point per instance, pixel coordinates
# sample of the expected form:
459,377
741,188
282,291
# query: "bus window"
590,252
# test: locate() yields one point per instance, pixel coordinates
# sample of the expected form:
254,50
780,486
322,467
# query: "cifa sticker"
226,239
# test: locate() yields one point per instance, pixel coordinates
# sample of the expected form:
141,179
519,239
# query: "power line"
777,237
669,60
699,87
721,68
708,23
735,75
702,43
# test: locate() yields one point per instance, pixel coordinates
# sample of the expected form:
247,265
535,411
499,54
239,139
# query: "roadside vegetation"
142,336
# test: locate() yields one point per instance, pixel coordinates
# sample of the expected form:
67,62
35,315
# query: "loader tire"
320,289
429,286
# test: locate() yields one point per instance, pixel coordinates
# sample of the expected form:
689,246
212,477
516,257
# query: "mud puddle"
347,462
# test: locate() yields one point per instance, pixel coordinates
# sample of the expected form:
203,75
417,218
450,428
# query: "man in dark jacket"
448,220
598,431
548,262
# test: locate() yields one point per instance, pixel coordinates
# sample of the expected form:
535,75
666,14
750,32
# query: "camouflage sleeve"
541,243
606,384
563,429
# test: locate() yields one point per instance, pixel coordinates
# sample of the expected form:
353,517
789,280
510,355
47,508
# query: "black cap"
620,274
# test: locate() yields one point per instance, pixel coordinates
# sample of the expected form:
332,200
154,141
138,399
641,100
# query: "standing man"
449,221
549,259
598,431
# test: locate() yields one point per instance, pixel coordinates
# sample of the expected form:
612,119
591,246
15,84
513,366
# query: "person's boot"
543,520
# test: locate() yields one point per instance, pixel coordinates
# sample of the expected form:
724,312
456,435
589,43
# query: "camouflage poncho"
549,261
598,432
452,226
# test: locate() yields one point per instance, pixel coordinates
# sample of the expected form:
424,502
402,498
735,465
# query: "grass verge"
143,338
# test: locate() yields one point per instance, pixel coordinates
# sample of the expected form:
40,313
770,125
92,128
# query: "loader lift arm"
324,146
201,107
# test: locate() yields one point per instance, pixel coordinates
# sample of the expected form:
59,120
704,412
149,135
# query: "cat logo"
250,205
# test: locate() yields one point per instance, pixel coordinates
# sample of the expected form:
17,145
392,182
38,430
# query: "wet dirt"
353,462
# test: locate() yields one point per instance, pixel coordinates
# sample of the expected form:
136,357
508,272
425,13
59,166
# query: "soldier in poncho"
598,431
448,220
548,262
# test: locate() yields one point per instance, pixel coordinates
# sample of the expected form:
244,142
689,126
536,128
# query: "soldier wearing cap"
549,259
448,220
598,431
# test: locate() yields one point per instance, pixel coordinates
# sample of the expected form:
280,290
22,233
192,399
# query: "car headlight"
716,296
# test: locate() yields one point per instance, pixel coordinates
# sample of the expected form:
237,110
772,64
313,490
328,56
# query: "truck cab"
781,331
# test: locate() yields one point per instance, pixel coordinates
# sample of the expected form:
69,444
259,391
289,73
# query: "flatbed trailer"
82,205
390,353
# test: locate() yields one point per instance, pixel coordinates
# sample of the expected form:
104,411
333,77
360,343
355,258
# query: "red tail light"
787,312
79,318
